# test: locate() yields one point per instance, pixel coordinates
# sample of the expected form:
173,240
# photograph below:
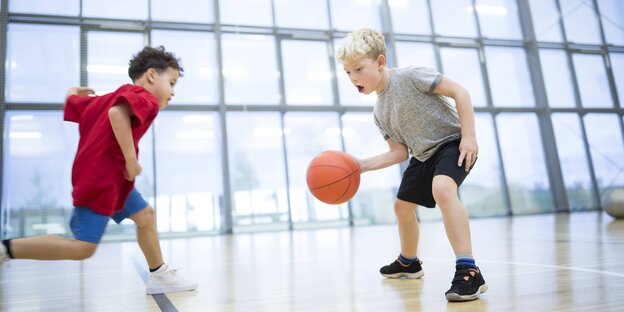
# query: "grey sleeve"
425,79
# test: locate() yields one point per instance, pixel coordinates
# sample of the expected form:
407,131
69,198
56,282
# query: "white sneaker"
166,280
4,256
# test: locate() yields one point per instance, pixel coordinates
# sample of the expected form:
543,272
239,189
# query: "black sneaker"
398,269
467,284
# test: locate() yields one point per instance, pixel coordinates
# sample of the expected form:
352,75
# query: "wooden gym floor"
561,262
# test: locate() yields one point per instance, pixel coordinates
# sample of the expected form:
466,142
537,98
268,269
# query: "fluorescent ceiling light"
22,117
194,134
399,4
25,135
196,118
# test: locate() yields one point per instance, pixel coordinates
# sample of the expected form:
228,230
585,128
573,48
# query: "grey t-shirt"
411,114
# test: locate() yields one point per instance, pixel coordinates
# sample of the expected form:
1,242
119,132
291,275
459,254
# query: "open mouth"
360,89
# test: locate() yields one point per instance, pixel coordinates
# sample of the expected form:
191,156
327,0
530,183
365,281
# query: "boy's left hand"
79,91
133,169
468,150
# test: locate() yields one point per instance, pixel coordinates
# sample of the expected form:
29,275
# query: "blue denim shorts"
89,226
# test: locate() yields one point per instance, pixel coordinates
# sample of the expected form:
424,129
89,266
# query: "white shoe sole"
416,275
456,297
166,290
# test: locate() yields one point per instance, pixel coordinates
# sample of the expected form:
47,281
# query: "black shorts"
416,185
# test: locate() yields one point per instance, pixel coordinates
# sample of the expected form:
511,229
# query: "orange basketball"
333,177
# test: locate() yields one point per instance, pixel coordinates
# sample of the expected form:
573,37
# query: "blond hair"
363,42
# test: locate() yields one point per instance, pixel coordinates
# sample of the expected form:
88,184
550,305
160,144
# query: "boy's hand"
79,91
358,162
133,168
468,150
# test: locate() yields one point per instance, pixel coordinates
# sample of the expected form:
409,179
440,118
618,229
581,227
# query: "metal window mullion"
490,104
287,173
582,112
344,148
4,17
387,27
594,181
562,28
331,56
493,113
611,79
282,90
386,18
84,47
147,41
578,103
613,87
226,223
475,14
334,77
549,144
338,108
608,65
603,37
503,174
436,47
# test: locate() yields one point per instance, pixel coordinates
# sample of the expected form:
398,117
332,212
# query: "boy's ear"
151,74
381,59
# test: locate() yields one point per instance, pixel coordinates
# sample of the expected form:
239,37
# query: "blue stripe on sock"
406,260
466,261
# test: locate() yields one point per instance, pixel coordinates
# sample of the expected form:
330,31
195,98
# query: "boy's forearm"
466,115
382,160
119,116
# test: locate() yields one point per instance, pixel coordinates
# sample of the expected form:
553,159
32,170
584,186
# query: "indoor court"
267,155
560,262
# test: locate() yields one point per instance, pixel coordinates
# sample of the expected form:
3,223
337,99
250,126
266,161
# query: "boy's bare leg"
408,227
454,215
147,236
163,280
51,247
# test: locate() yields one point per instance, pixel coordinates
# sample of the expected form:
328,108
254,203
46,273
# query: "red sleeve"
143,107
75,106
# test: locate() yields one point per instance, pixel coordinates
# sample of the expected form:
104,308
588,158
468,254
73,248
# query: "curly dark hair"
156,58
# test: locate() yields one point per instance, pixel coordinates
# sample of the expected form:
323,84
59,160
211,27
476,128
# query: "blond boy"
414,116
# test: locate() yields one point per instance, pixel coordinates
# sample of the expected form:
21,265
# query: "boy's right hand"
79,91
133,168
358,162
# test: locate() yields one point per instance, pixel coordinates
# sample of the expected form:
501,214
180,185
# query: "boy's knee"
84,250
404,211
444,189
145,217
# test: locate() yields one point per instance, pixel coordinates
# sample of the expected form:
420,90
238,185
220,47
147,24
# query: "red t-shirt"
98,172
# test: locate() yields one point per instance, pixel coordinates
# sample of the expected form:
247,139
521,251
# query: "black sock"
156,268
7,245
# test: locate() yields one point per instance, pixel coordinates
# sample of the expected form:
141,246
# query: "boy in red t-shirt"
105,166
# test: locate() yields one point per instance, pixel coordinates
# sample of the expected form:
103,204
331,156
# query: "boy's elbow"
117,115
118,111
462,93
113,112
404,156
401,155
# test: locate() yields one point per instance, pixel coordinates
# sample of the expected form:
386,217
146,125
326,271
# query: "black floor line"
163,302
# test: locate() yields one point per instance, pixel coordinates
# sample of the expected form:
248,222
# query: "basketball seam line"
345,191
347,176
